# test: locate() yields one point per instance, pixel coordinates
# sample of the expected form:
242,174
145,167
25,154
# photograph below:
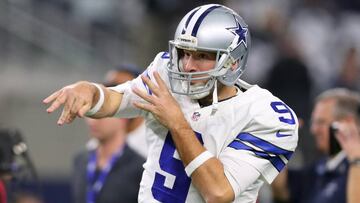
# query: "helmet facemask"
185,83
181,81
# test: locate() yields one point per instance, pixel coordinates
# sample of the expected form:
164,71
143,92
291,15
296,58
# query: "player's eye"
203,56
206,56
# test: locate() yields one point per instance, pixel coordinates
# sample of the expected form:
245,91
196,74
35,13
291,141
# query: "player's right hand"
76,100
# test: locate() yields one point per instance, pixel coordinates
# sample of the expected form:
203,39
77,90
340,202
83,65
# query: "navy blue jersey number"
281,108
173,167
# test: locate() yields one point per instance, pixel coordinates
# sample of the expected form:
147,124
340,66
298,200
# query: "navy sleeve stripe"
264,145
271,152
146,87
276,161
241,146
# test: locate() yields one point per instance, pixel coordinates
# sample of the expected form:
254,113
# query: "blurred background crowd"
299,48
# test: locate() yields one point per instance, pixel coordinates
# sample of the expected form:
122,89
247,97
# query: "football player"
212,137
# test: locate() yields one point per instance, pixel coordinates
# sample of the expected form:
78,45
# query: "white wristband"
99,103
197,162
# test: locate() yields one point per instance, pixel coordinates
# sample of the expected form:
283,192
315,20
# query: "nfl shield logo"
195,116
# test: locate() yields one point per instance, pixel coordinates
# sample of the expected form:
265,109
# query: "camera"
12,148
6,152
334,144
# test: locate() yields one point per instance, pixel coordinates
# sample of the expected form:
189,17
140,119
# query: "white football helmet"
211,28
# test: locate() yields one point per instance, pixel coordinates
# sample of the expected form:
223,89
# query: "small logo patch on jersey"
195,116
279,134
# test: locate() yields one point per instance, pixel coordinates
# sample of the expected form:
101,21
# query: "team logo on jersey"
195,117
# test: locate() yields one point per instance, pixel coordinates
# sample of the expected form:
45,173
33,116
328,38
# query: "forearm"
186,142
353,189
279,186
112,101
211,181
209,178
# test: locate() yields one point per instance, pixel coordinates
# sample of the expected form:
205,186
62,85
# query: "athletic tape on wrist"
197,162
99,103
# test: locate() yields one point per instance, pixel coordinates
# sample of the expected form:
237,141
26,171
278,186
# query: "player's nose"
190,64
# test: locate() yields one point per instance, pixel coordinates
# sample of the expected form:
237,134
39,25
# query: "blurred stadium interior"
45,44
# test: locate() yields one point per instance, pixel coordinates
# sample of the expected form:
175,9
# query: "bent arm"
217,179
209,178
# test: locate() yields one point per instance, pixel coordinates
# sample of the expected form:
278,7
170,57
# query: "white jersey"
253,134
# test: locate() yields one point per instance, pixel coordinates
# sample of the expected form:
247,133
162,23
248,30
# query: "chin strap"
215,100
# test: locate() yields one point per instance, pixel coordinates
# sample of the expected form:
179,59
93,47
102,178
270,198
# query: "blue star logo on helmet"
239,32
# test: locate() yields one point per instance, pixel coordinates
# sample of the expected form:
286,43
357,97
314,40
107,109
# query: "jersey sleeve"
127,109
264,145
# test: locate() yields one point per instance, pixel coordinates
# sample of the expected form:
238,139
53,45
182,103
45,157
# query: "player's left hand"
161,103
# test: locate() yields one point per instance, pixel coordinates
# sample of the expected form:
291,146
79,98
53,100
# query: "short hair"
347,102
129,68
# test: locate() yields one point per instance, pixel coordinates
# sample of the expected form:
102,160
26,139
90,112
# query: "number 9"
284,110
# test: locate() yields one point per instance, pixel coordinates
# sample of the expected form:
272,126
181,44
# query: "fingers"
52,97
68,119
74,105
160,81
59,100
143,95
353,132
68,116
158,88
341,139
151,85
340,133
347,132
143,106
82,111
66,113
